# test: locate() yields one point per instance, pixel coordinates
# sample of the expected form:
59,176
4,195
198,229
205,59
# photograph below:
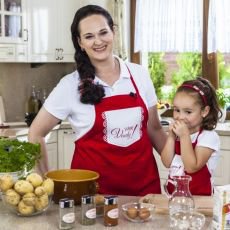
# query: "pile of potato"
28,196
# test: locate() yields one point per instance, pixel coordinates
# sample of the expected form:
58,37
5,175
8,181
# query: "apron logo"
122,127
124,133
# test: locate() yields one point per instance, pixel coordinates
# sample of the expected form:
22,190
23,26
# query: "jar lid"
110,200
66,203
87,199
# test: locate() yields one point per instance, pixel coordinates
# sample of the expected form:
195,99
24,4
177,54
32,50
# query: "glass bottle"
32,105
38,95
66,213
110,211
88,210
181,199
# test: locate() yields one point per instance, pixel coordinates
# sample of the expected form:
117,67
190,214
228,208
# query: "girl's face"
188,110
96,37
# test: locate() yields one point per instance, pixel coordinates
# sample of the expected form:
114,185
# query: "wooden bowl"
73,183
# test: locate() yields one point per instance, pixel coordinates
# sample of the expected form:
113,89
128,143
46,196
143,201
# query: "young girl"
192,147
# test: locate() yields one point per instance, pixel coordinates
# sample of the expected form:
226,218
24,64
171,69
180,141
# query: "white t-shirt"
64,101
209,139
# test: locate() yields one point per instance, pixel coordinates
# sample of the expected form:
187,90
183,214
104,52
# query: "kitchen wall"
16,80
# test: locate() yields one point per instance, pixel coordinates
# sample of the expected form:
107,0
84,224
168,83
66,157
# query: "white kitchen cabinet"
52,149
51,145
222,172
49,25
13,53
13,31
65,148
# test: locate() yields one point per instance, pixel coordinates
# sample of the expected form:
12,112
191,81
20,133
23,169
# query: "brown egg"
132,212
144,213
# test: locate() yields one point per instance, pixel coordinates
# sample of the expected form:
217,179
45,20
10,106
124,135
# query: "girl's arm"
193,159
155,130
168,151
40,127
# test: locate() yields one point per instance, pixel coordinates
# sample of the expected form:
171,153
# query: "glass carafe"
181,199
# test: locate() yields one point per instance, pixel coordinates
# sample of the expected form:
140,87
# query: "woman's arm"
40,127
155,130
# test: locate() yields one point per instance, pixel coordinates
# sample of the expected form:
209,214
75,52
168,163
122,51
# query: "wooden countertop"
49,220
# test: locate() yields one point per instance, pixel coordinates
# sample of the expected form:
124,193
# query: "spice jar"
67,213
88,210
110,211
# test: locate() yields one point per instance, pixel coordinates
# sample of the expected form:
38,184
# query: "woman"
111,106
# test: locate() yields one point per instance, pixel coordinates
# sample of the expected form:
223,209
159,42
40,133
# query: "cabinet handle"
57,54
69,132
61,54
25,35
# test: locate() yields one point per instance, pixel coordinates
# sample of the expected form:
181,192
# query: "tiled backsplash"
16,80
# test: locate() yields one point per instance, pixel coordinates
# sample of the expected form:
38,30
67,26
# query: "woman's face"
96,37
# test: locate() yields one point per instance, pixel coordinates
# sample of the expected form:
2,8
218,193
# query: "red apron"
201,180
118,147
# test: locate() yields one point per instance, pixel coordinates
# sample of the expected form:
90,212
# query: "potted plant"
223,100
17,156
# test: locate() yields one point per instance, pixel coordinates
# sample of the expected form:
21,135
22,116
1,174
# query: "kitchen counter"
19,130
49,220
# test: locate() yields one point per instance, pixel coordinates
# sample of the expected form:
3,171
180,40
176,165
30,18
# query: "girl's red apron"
201,180
118,147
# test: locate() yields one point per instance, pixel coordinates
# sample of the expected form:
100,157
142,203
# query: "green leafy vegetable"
16,155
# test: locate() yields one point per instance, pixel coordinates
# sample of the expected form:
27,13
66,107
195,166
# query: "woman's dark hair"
90,93
205,94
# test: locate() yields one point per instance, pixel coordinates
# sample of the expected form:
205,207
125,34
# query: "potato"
23,186
6,182
25,209
35,179
12,197
29,198
48,184
41,202
39,191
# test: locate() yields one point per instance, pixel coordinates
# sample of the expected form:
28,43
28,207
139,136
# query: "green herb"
222,97
16,155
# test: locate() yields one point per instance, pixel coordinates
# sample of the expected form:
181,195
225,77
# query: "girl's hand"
171,134
180,128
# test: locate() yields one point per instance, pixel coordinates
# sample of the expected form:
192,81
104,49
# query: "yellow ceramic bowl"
73,183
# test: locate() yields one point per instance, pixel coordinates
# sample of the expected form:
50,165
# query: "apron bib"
118,147
201,180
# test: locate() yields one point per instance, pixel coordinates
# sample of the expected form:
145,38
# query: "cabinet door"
52,156
222,172
66,14
49,25
42,30
65,148
163,171
12,21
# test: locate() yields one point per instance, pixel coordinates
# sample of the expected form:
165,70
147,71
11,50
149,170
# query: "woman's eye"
88,37
188,112
104,32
